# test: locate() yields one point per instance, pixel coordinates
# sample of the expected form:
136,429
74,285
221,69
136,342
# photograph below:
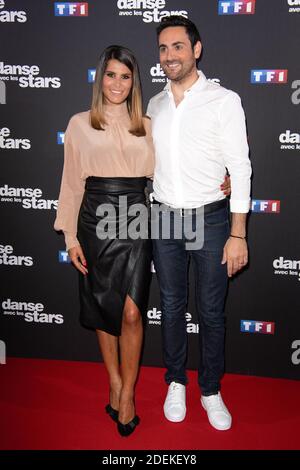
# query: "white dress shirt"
194,144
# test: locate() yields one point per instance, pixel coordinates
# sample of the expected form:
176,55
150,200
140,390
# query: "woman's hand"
226,186
78,259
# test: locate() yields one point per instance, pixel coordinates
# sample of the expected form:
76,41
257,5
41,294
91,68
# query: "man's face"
177,57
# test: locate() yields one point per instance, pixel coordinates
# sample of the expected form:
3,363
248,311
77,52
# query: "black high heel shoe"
126,429
114,414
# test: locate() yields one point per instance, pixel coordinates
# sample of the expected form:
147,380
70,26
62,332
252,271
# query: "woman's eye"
126,77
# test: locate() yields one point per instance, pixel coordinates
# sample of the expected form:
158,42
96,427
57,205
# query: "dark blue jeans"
171,261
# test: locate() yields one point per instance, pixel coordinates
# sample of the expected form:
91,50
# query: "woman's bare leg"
130,348
109,349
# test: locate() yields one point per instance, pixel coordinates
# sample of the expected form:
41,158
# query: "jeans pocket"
217,218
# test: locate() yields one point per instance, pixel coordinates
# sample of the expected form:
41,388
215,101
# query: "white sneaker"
218,415
174,406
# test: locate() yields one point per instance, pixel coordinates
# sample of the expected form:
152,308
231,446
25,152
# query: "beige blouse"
90,152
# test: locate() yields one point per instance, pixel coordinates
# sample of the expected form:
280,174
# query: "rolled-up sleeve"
71,190
235,151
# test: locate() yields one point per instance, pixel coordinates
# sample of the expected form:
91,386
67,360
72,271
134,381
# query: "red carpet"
60,405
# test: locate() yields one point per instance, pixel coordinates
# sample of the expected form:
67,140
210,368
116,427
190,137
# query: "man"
198,131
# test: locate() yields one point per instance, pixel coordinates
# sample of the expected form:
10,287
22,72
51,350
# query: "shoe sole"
174,420
219,428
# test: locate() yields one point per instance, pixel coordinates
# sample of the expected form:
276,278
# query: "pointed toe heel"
126,429
114,414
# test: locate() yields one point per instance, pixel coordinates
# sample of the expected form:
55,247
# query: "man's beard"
183,73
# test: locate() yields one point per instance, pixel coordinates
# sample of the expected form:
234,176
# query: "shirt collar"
116,110
198,86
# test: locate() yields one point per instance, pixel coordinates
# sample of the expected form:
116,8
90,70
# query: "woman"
109,154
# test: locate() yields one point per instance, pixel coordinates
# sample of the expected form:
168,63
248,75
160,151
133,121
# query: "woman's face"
117,82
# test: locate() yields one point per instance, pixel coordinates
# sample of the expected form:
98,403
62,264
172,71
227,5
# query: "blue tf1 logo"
278,76
71,9
252,326
60,138
91,75
234,7
63,257
269,206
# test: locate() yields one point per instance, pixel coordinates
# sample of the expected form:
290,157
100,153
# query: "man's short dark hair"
177,20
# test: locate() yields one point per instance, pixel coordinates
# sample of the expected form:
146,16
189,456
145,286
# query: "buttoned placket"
175,148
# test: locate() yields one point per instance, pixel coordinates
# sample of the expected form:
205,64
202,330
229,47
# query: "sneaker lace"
214,402
175,387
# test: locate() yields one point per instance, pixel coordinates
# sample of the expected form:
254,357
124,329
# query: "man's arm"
234,147
235,252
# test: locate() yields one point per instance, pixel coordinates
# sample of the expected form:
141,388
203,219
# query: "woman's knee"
131,317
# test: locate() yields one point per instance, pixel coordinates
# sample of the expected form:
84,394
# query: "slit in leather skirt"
116,267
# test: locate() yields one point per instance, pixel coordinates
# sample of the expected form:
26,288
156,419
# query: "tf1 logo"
60,138
257,205
234,7
71,9
252,326
91,75
63,257
269,76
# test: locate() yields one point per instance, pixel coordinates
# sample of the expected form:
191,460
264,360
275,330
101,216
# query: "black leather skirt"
118,265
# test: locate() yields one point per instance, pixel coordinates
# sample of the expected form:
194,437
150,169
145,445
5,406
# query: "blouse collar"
116,110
